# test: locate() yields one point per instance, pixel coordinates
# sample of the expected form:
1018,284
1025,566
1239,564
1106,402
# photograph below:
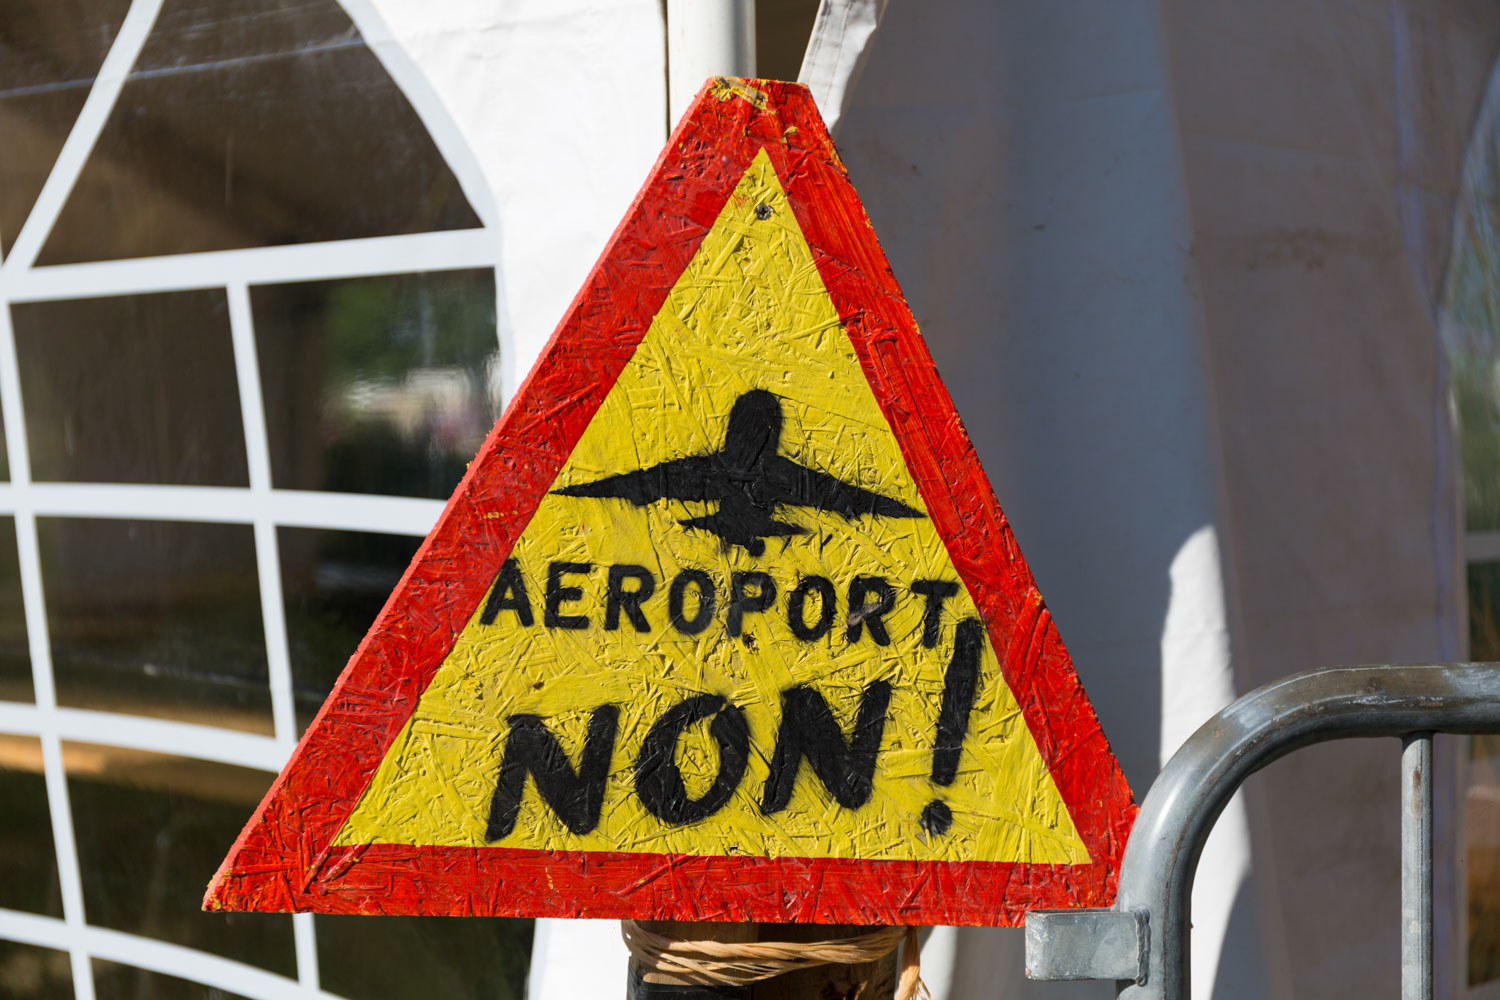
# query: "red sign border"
283,859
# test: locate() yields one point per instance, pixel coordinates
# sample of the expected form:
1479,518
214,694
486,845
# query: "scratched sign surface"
724,622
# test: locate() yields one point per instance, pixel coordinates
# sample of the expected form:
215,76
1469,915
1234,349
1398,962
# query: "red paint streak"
459,881
282,860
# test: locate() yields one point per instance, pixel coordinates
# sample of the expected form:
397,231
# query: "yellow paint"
751,311
725,87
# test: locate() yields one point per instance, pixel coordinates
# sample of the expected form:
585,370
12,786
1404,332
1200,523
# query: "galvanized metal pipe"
1416,867
1161,858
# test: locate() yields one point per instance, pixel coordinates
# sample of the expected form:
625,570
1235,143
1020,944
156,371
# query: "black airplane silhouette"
749,479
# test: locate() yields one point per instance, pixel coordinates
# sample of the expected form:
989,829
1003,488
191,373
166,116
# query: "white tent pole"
706,38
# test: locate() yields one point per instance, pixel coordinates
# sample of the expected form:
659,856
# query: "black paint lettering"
960,685
576,796
676,597
628,600
796,608
808,729
936,592
863,612
741,602
508,594
658,779
552,615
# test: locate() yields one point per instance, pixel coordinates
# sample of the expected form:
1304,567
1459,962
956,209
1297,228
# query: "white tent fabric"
1177,261
562,104
1044,223
837,53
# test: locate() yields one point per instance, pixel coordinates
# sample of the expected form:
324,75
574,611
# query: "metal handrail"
1142,940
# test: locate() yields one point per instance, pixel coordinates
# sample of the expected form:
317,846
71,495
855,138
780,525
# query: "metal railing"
1142,941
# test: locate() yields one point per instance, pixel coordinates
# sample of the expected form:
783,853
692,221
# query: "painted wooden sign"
724,622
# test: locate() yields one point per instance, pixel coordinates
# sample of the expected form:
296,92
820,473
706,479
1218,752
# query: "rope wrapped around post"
718,963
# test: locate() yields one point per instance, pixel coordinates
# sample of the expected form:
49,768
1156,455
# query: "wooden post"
649,985
867,981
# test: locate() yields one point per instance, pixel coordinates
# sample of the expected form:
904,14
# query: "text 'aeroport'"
581,595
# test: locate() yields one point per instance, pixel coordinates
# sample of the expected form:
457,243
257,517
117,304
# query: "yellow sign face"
730,627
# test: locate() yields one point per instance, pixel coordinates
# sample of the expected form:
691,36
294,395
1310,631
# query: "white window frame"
258,505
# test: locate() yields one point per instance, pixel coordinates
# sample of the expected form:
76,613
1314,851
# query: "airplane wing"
791,483
693,478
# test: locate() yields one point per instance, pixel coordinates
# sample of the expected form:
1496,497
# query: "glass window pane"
31,973
131,389
156,618
1484,611
1482,797
377,958
15,655
378,385
4,454
151,831
28,862
1472,374
251,123
1482,835
1469,324
49,53
125,982
334,584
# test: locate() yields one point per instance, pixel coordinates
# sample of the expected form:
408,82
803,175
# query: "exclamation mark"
960,685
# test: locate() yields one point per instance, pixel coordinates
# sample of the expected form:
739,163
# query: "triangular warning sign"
724,622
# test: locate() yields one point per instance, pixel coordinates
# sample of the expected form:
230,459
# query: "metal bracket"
1087,944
